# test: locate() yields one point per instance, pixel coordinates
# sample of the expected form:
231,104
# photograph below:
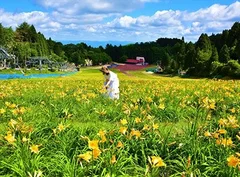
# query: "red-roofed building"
132,61
138,60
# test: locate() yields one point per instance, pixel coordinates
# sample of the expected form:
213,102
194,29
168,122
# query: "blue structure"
22,76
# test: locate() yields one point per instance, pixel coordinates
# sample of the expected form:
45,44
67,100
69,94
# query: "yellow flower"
215,135
21,110
161,106
12,105
233,161
138,120
119,145
18,111
225,142
24,139
222,131
212,105
123,121
2,111
101,133
207,134
93,144
146,127
101,112
54,131
157,161
149,117
15,111
232,110
7,104
61,127
232,121
123,130
26,129
35,148
155,126
10,138
96,153
103,139
149,100
86,156
113,159
135,133
238,154
12,123
223,122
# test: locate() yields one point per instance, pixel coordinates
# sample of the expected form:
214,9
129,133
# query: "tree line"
216,55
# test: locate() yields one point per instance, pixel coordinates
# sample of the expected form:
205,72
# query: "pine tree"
224,55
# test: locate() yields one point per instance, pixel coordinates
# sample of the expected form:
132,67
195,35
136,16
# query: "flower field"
158,127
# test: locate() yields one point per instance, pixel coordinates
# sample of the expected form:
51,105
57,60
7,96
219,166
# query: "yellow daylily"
86,156
157,161
35,148
93,144
2,111
233,161
222,131
119,145
123,121
96,153
123,130
138,120
207,134
10,138
136,133
113,159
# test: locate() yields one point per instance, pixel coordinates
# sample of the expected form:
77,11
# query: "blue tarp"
22,76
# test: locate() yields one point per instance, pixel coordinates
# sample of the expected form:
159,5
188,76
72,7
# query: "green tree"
233,34
32,34
190,56
179,50
42,46
203,55
22,33
7,38
214,56
22,51
237,51
205,49
224,55
123,58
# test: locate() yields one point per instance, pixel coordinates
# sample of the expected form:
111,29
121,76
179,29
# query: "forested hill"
210,56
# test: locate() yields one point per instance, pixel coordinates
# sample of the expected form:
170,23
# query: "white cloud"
127,21
107,20
92,6
11,19
215,12
91,29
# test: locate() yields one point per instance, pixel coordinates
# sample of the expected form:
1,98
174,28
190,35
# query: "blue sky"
121,20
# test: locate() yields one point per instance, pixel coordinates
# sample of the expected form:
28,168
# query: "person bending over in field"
111,83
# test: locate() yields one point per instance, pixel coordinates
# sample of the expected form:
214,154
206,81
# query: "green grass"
165,117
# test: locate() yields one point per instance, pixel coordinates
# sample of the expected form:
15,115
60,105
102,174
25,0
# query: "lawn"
160,126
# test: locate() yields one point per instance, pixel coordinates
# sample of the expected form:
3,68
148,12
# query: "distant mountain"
99,43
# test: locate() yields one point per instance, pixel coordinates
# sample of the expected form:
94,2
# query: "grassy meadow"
160,127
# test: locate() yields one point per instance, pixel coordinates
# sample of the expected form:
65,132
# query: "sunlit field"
160,126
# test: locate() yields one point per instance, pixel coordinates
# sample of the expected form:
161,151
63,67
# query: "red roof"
133,61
